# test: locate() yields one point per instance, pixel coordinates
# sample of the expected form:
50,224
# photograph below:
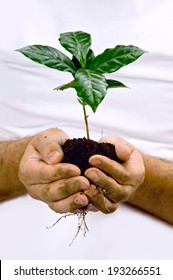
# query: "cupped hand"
113,182
47,179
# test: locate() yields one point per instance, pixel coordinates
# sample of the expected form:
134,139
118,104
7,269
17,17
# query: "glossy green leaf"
66,86
114,84
77,43
91,87
90,57
113,59
49,57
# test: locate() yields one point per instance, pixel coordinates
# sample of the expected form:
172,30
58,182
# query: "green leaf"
113,59
114,84
66,86
90,57
49,57
91,87
77,43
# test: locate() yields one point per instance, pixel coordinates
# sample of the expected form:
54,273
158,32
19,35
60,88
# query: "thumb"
55,156
51,152
123,151
48,145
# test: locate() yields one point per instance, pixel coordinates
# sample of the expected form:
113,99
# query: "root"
82,226
62,217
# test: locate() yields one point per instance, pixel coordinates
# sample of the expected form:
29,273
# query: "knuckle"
37,138
73,207
48,174
125,196
41,191
120,194
45,193
44,176
32,193
105,186
64,170
58,207
125,177
67,187
53,206
110,208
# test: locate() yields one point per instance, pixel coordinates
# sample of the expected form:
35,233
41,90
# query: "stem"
86,122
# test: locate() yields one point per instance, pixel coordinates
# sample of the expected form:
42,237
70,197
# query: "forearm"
10,155
155,194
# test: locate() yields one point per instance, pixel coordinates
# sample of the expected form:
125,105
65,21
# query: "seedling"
87,69
89,81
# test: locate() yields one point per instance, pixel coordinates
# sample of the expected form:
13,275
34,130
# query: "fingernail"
92,192
81,200
83,185
95,161
53,157
92,175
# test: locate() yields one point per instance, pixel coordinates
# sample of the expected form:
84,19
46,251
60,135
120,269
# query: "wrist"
10,156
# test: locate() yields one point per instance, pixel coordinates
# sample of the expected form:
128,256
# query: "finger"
112,168
48,145
69,204
102,203
33,172
123,149
109,187
59,190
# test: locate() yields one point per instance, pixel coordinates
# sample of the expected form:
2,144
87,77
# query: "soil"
78,151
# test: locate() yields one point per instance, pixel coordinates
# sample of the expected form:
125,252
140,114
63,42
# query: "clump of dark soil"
78,151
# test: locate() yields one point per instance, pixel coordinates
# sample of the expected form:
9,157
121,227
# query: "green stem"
86,122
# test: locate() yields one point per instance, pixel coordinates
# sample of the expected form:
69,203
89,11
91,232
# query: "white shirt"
142,114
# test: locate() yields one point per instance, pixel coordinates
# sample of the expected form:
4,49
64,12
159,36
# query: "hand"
113,182
46,178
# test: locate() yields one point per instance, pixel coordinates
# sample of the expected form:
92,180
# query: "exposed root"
82,226
62,217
